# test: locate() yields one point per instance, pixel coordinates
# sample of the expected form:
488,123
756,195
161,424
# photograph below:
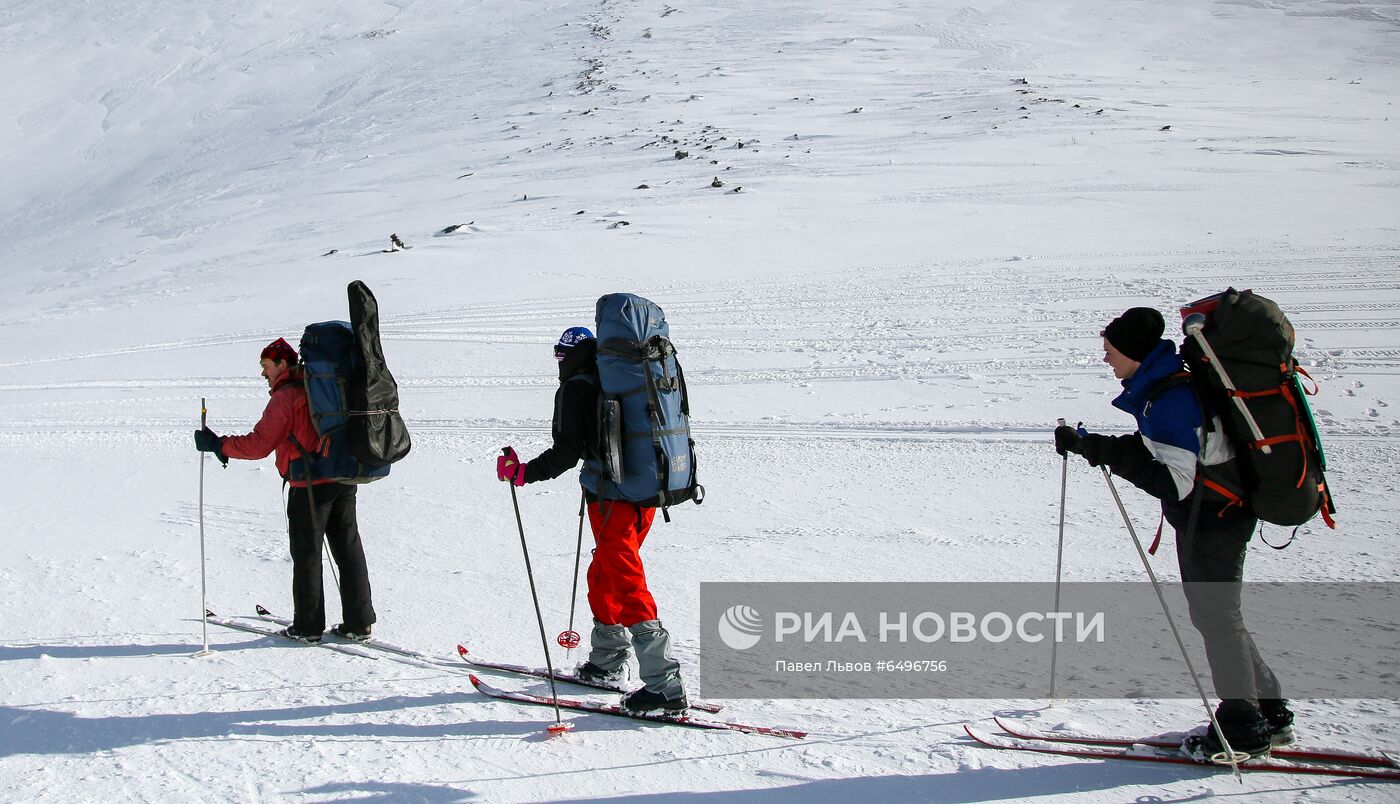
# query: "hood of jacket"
291,375
581,359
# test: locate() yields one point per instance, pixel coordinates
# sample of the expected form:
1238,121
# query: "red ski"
1149,753
1376,760
617,711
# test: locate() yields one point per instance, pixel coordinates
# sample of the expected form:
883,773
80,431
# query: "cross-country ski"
1144,752
568,678
349,650
1023,732
597,708
376,643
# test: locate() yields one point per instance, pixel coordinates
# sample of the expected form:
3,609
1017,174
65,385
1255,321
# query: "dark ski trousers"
1212,570
335,518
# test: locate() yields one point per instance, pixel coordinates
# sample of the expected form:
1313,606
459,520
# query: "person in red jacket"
285,423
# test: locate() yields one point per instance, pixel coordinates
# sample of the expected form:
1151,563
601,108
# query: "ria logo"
740,627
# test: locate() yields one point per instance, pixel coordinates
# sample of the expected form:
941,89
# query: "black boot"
1245,728
1280,718
310,638
353,634
644,700
593,674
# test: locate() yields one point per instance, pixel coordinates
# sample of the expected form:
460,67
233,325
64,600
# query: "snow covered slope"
927,212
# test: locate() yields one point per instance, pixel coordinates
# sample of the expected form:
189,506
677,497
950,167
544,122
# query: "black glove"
207,440
1067,440
1095,448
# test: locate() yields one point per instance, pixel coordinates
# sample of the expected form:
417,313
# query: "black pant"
335,517
1212,569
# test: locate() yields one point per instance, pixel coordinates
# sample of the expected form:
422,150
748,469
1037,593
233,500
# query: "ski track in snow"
889,324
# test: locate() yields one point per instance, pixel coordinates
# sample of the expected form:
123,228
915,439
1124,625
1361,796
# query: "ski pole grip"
203,414
1193,326
1061,422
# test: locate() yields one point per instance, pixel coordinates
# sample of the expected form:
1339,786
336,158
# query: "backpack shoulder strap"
1178,378
685,395
1168,382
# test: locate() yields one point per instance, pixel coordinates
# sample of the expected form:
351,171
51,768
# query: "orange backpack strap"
1327,508
1304,372
1233,498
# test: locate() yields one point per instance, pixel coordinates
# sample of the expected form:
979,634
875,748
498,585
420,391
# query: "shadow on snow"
44,731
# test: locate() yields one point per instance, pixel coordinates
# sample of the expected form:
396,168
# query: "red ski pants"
617,582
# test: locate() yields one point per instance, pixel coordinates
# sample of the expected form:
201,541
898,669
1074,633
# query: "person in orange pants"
617,583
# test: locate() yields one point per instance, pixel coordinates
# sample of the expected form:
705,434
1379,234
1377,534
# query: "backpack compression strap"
658,348
1297,435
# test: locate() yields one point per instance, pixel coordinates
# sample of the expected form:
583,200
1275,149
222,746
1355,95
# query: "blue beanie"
572,336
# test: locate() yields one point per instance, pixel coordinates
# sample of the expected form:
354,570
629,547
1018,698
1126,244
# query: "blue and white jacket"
1163,456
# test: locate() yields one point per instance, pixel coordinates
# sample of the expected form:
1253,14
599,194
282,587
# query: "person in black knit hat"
1135,333
1171,456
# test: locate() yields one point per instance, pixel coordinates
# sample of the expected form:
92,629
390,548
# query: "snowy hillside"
926,213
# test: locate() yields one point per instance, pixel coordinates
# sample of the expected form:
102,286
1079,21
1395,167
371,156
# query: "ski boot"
590,673
291,632
1280,718
642,701
1245,728
352,634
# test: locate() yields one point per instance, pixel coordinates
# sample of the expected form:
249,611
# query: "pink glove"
510,468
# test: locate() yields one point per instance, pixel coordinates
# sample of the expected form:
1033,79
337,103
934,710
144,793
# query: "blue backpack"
647,454
352,398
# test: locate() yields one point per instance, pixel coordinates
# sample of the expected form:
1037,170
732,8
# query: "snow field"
879,330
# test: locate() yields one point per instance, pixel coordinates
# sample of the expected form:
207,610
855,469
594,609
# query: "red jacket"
286,415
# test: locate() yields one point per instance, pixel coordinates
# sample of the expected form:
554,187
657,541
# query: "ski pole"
335,576
1059,557
570,639
1193,326
203,585
1232,757
558,726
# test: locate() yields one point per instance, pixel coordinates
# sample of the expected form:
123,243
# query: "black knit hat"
1136,332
